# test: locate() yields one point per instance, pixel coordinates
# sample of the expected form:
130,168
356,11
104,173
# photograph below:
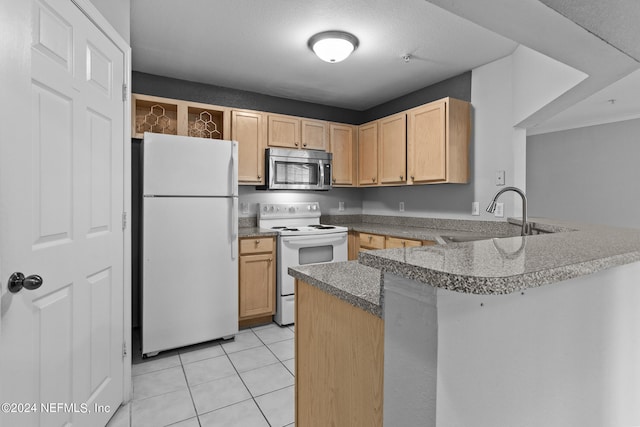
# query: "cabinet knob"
259,177
370,237
269,260
296,144
257,242
333,179
401,177
304,145
373,179
412,177
404,244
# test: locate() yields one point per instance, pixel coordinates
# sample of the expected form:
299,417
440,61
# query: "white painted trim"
103,25
586,123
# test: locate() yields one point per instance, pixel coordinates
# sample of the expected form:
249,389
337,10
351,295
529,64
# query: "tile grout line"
189,388
244,384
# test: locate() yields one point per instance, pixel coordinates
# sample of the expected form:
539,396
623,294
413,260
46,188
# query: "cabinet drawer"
395,242
371,241
256,245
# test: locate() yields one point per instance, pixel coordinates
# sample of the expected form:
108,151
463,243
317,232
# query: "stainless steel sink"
475,237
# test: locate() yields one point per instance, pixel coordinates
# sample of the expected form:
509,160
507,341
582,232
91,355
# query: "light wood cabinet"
438,142
294,132
257,279
175,117
369,241
392,149
283,131
248,128
368,154
314,134
339,356
396,242
344,149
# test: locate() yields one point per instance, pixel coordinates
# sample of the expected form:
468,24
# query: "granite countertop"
506,265
487,267
350,281
245,232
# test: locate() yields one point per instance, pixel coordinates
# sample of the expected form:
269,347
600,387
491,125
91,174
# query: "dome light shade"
333,46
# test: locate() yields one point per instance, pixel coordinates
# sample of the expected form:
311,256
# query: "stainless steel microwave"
297,169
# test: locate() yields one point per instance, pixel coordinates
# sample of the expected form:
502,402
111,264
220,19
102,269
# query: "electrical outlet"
499,210
401,206
475,208
340,206
244,207
500,178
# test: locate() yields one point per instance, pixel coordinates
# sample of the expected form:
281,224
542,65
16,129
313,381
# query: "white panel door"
61,186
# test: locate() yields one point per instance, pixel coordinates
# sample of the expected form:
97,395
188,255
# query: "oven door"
302,250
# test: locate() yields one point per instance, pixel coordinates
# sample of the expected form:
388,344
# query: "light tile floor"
247,381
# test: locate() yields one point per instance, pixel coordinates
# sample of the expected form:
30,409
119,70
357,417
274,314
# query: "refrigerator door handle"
234,227
234,168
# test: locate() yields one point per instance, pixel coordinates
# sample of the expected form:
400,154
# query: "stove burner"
290,229
322,227
280,227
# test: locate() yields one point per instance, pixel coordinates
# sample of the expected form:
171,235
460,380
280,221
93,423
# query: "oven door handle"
308,241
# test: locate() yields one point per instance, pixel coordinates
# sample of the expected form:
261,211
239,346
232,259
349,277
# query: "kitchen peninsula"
527,331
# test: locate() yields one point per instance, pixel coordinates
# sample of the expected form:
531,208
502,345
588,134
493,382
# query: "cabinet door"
314,134
396,242
257,285
284,131
248,129
392,149
427,143
342,147
368,154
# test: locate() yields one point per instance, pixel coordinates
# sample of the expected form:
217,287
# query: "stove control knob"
314,207
292,209
308,207
272,208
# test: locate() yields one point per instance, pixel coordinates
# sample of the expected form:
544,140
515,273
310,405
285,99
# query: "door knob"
17,281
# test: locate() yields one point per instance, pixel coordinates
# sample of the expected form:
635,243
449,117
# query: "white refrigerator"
189,241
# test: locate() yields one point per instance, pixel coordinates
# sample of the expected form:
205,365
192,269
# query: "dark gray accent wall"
149,84
456,87
589,174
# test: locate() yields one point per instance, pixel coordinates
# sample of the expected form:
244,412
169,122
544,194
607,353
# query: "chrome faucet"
492,207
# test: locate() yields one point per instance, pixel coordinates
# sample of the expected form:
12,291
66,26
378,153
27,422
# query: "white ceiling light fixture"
333,46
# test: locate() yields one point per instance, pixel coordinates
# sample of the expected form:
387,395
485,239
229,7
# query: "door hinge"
124,350
124,221
124,91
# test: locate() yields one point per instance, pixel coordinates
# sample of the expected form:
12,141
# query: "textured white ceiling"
261,46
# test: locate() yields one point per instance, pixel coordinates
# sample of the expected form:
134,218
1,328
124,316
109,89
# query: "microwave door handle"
307,241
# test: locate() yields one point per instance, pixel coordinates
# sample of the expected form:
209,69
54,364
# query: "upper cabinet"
392,149
438,142
294,132
248,128
283,131
428,144
314,134
368,154
343,146
175,117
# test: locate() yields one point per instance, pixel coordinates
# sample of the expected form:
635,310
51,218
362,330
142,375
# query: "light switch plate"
500,178
499,210
340,206
475,208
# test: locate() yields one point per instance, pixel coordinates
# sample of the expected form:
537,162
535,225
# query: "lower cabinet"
339,362
257,281
368,241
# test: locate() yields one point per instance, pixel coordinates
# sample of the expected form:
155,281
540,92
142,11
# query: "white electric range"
301,240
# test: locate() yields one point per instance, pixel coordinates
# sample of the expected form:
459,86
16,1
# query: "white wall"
249,197
589,174
118,13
